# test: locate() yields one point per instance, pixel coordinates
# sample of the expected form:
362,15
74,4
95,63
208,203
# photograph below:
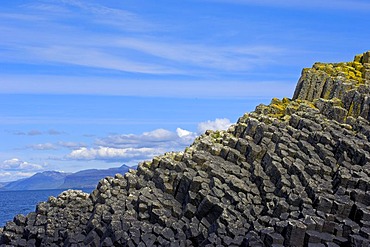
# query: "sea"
24,202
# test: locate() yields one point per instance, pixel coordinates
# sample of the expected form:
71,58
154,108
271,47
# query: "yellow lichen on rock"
351,70
284,108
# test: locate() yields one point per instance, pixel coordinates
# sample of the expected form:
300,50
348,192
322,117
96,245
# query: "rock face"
293,173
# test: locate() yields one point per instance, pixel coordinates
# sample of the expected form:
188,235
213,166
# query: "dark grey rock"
293,173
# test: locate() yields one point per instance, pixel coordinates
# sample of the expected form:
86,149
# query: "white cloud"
156,138
16,164
218,124
8,176
129,148
158,134
183,133
132,147
113,154
5,174
186,136
18,174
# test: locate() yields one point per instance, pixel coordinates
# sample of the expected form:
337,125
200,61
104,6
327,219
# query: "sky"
98,84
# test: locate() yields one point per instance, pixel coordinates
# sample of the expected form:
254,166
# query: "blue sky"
96,84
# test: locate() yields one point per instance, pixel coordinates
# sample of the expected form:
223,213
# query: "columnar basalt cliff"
292,173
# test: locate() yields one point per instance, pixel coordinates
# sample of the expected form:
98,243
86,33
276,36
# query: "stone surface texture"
292,173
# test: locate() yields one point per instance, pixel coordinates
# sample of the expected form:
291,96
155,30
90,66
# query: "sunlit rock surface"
293,173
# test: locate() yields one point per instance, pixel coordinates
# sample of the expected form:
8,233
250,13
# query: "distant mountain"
39,181
89,178
59,180
2,184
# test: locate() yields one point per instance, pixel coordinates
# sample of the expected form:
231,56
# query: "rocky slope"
293,173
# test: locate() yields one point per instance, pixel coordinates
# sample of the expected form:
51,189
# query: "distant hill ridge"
89,178
295,172
60,180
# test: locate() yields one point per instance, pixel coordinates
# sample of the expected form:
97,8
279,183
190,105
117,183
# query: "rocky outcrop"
292,173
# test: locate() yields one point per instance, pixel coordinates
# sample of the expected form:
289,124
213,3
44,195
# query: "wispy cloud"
42,146
138,55
57,146
21,17
60,43
84,121
55,132
232,58
145,88
97,58
46,7
354,5
36,132
30,133
111,16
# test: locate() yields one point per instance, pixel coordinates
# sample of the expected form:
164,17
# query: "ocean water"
23,202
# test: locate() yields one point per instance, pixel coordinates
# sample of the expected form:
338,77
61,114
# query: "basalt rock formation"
292,173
